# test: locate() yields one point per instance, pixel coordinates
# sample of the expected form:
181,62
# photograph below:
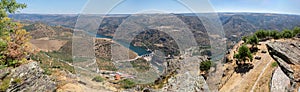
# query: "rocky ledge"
28,77
287,55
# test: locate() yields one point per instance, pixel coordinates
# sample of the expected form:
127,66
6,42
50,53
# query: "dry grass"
263,83
237,82
48,45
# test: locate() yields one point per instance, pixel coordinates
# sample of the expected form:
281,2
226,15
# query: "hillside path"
249,80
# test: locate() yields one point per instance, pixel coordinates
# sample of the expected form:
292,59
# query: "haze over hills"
233,23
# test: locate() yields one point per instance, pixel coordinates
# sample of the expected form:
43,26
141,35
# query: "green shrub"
126,83
236,56
13,62
47,71
296,31
245,38
5,84
98,79
3,45
275,34
287,34
140,65
262,33
253,40
243,54
2,66
17,80
205,66
274,64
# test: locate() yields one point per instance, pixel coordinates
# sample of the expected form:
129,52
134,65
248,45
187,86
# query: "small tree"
253,40
296,31
261,34
275,34
243,54
9,6
287,34
244,38
205,65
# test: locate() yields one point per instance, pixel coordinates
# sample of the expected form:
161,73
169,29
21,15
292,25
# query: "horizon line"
155,13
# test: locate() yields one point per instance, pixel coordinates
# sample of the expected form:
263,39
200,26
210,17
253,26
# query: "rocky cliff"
287,55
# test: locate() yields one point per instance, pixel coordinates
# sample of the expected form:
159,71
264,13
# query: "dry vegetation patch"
48,45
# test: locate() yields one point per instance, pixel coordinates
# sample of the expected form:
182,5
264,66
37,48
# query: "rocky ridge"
287,55
27,77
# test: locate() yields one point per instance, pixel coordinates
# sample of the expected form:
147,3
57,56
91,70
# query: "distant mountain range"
235,25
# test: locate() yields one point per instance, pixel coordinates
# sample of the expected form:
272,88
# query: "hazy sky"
171,6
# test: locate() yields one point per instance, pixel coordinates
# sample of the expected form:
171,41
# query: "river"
139,50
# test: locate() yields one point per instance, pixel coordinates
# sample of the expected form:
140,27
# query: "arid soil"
256,78
47,45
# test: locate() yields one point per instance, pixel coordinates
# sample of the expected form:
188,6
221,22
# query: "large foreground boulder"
28,77
288,51
280,82
187,77
287,55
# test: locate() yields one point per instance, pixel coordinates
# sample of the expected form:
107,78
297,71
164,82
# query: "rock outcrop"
280,82
288,51
287,55
27,77
187,78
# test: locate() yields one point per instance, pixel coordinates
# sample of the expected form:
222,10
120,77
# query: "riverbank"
138,50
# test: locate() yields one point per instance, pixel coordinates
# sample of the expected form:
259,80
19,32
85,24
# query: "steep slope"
239,25
244,23
41,30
